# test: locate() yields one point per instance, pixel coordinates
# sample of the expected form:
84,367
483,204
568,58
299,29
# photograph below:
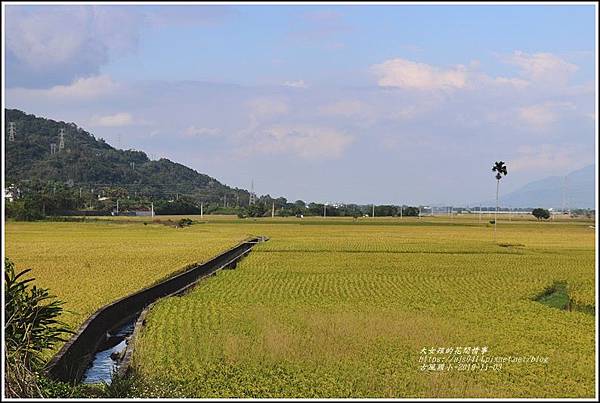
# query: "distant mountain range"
575,190
36,154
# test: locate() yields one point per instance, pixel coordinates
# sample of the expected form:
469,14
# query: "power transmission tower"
12,130
61,142
252,199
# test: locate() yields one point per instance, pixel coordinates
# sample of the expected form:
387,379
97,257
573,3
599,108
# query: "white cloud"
540,68
538,116
55,44
194,15
544,67
266,107
117,120
511,81
549,158
346,108
307,142
295,84
407,74
541,116
194,131
82,88
407,112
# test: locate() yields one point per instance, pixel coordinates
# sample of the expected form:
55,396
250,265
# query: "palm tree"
500,170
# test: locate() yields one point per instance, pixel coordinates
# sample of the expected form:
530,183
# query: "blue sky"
325,102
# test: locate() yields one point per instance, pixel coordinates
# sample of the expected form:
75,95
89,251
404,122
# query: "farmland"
326,310
88,265
336,307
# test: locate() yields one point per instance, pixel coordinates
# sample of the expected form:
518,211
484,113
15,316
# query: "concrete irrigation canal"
102,345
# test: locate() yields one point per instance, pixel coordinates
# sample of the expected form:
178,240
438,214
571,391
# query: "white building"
10,193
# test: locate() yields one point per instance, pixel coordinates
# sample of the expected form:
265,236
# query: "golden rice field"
88,265
337,307
325,310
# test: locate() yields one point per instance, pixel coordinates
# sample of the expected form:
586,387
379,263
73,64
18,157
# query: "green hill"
92,163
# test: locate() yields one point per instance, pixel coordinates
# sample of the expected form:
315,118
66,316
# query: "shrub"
24,210
31,326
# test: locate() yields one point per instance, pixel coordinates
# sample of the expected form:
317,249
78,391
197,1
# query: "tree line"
35,200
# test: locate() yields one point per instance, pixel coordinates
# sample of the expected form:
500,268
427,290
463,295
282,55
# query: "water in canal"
108,357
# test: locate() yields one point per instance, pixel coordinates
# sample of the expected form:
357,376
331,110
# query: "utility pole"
117,206
273,210
152,209
201,210
567,196
324,210
564,192
480,214
373,215
400,211
12,130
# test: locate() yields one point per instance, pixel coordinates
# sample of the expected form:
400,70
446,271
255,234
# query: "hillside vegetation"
92,163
